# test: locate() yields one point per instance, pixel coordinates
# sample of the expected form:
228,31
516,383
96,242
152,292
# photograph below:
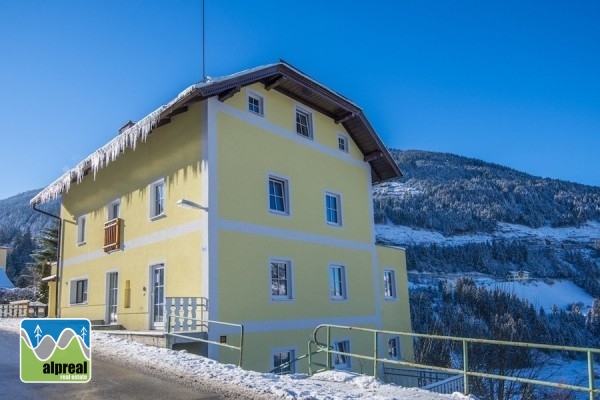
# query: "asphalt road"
109,381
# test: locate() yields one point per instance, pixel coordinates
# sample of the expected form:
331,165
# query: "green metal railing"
326,347
206,323
309,355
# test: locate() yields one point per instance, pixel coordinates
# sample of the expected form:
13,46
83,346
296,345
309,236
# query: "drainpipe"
58,266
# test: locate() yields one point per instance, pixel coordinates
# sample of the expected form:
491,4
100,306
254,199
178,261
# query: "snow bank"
193,370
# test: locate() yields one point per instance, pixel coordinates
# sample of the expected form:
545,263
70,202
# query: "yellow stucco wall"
172,153
244,235
396,311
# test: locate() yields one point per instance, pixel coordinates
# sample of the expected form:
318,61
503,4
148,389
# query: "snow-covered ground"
193,370
404,235
540,292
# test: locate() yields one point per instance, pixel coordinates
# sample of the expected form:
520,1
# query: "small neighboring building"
4,281
250,197
518,276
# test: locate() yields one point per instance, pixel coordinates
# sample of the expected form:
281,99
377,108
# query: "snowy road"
231,382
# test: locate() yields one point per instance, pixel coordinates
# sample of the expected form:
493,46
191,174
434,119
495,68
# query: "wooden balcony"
112,235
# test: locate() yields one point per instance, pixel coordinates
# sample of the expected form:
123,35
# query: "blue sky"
511,82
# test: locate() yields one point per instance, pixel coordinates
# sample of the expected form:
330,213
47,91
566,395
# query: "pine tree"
45,255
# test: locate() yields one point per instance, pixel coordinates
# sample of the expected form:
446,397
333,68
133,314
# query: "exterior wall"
396,311
220,155
172,153
249,148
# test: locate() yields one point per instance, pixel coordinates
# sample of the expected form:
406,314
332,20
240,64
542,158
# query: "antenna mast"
203,43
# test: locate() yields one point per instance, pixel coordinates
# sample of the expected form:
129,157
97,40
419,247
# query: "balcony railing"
112,235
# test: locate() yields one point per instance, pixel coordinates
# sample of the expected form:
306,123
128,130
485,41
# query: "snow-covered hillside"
544,293
585,235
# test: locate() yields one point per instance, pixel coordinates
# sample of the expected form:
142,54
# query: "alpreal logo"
55,350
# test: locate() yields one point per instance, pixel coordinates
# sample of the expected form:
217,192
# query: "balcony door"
112,288
157,296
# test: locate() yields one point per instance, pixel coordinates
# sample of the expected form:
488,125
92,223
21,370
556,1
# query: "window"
304,123
281,280
389,284
341,361
157,198
114,210
255,104
337,282
280,359
343,143
81,222
333,212
79,291
278,195
394,348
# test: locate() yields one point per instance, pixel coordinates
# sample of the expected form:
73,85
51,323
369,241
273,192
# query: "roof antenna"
203,43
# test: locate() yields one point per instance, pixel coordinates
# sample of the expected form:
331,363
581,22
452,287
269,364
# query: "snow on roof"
127,139
193,370
140,130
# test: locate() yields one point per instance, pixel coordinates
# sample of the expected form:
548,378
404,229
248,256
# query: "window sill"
338,299
282,299
81,243
333,224
157,217
311,137
78,304
275,212
390,298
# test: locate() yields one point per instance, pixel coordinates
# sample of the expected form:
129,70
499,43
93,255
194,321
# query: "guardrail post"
466,366
591,373
241,344
375,355
168,338
309,359
328,363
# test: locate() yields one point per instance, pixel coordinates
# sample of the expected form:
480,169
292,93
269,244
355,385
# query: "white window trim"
287,195
81,230
394,286
251,93
398,348
292,350
152,199
291,288
348,364
339,208
346,140
109,208
73,290
311,123
344,296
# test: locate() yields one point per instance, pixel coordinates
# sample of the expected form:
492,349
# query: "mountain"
457,214
20,225
454,195
17,215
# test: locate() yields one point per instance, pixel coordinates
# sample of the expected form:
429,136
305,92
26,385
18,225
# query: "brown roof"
281,77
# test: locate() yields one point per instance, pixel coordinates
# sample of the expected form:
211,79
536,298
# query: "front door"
113,294
158,296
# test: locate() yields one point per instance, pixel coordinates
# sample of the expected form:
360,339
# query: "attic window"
304,123
255,104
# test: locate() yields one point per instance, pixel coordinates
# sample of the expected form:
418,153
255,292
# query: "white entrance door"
158,296
113,295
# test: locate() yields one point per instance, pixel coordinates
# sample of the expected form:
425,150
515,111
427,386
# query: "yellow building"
247,198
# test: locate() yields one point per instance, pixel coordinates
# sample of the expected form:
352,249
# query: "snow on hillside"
540,292
404,235
193,370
